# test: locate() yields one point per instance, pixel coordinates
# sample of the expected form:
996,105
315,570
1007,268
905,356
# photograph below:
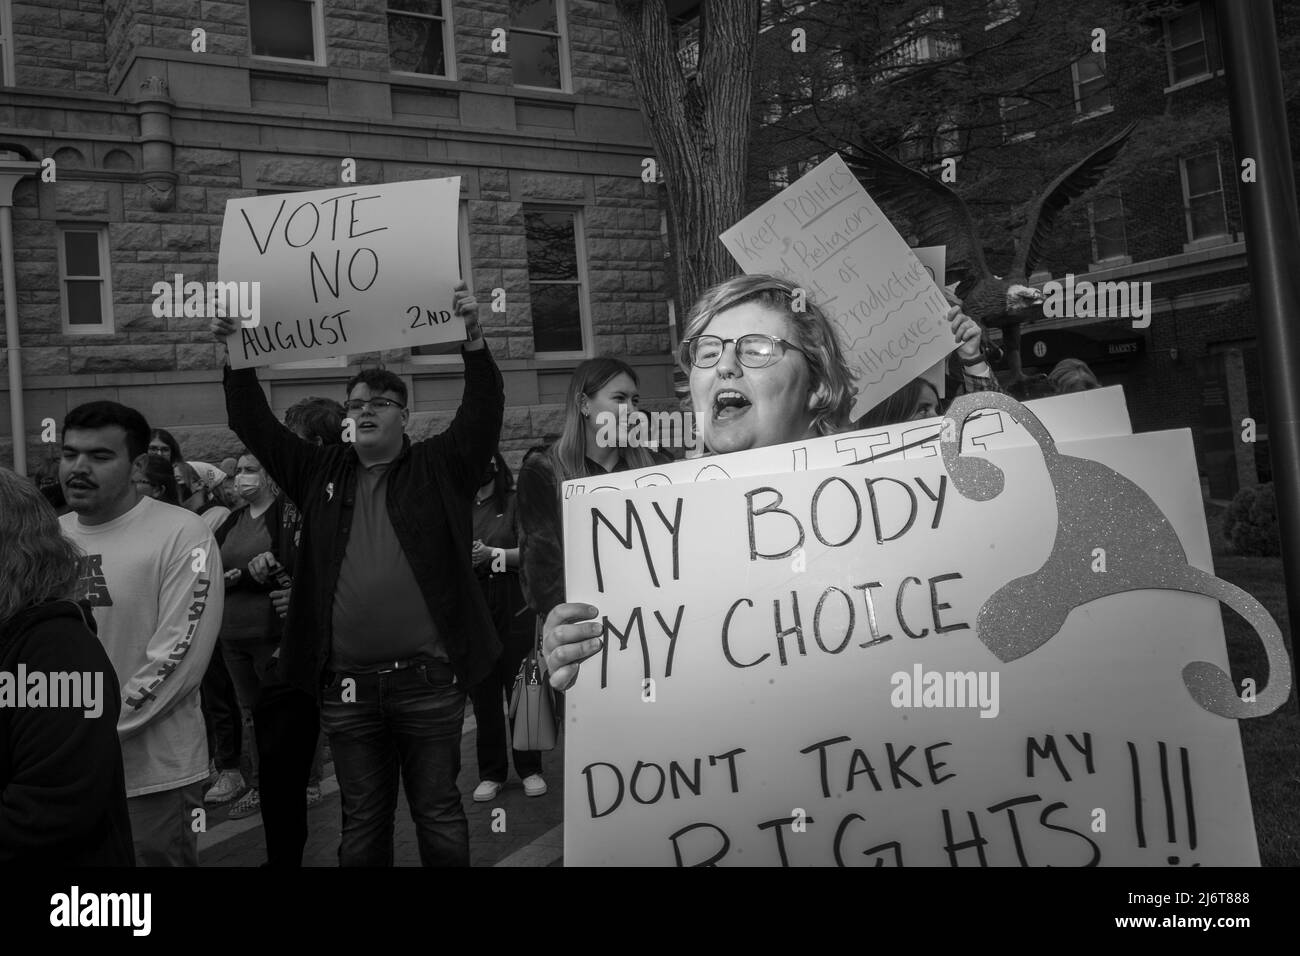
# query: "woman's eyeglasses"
754,350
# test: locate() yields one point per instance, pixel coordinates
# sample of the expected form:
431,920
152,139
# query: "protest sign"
792,674
934,258
1076,415
343,271
828,237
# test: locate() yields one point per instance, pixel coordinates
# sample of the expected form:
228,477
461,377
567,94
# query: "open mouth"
729,404
366,426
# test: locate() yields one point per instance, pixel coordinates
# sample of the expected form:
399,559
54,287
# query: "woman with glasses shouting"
762,372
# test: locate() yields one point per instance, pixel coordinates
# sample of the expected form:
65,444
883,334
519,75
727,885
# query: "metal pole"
1259,128
13,348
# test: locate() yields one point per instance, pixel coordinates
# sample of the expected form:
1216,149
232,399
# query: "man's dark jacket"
431,486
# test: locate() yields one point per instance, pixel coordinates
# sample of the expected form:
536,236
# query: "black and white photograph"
576,434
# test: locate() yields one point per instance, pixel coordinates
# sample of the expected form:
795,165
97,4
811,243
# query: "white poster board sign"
1089,414
768,693
827,236
343,271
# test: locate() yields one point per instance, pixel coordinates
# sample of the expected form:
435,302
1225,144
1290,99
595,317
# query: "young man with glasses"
387,625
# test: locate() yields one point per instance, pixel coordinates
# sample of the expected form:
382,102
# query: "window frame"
583,282
1213,62
1008,136
8,71
107,324
448,41
317,37
466,273
1187,198
1092,232
1077,86
995,7
562,34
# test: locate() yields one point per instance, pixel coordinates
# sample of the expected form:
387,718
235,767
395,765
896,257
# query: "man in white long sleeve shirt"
152,572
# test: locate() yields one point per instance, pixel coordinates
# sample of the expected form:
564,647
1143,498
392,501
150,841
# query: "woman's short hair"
317,418
1072,375
37,563
813,333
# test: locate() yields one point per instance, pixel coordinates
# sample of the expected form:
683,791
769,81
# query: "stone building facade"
157,112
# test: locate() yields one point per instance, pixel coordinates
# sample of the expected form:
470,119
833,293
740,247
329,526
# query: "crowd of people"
339,587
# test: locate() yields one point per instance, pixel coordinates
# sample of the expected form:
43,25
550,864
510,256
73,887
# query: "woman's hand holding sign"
569,637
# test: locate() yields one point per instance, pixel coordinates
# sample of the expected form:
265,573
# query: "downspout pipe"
11,171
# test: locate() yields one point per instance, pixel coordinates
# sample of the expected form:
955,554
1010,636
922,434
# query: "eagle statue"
940,217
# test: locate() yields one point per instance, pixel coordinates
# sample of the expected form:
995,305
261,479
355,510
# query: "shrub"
1250,524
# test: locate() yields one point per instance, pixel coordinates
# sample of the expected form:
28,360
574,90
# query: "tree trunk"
699,128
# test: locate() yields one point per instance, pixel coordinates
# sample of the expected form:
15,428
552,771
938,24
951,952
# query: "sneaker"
230,784
247,805
314,796
487,790
534,785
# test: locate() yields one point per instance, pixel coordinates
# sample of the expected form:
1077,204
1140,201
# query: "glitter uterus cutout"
1097,507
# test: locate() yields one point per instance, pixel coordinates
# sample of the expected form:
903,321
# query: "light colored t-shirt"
154,579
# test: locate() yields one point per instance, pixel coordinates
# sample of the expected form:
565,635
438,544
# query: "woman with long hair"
163,445
602,394
62,786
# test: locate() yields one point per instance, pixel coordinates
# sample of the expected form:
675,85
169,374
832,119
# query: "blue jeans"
405,722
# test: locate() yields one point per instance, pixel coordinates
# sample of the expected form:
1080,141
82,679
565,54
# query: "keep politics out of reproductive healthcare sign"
343,271
814,667
828,237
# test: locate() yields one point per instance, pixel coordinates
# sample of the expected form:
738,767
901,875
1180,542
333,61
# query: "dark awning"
1043,348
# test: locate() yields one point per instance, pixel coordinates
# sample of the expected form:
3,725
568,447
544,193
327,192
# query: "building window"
1017,118
287,30
1106,223
6,44
446,351
1001,11
839,78
537,47
1193,44
1203,197
555,271
84,279
419,37
1091,89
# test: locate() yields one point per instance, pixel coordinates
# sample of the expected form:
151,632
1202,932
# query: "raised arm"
469,441
286,457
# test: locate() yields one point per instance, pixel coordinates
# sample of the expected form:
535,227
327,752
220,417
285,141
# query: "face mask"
248,486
